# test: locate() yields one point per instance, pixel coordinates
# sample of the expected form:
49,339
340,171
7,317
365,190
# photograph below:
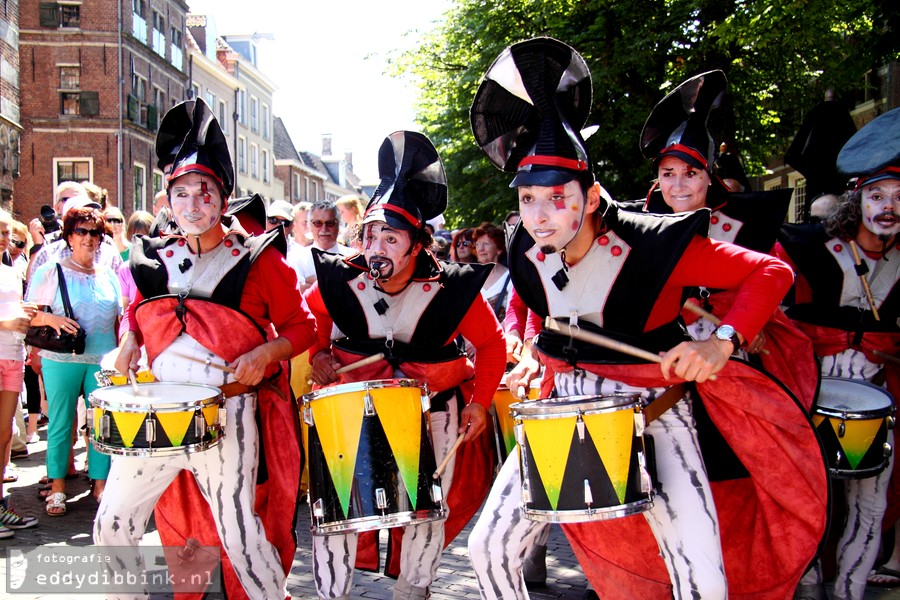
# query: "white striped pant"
334,556
683,519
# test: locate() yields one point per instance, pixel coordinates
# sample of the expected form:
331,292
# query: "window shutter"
134,109
89,104
49,14
152,117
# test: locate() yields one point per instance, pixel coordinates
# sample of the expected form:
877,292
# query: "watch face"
725,332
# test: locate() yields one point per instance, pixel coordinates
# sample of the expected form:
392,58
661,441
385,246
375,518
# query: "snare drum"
504,426
163,419
370,457
852,419
108,377
582,458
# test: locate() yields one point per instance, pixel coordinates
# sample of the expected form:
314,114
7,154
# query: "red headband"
554,161
409,217
686,150
195,168
892,171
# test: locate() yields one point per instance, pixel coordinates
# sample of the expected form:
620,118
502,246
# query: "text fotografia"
113,570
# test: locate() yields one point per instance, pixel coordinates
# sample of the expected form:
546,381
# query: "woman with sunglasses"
116,222
462,250
94,294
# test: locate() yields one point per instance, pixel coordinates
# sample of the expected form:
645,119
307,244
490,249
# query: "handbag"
46,338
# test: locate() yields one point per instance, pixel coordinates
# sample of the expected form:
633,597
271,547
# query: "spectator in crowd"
302,235
95,298
324,223
280,212
159,201
461,249
139,223
351,210
490,247
36,229
18,242
116,221
15,317
95,193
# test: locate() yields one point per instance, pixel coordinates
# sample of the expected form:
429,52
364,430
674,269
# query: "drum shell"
380,452
853,419
504,424
600,439
179,425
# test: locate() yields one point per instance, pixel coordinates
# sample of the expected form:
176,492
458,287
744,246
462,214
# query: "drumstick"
690,306
439,471
134,384
265,383
862,277
361,363
886,357
603,341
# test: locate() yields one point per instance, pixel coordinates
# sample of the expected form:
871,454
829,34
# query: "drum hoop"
169,405
585,515
574,405
158,452
855,413
376,522
362,386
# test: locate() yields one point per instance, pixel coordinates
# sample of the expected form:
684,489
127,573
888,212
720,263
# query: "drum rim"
376,522
855,414
361,386
96,400
565,405
159,451
586,515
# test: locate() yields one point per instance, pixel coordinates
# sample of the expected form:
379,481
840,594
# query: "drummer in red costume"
579,258
855,331
215,295
397,299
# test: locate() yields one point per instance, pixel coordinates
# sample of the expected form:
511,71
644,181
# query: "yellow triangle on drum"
338,421
858,437
400,413
549,440
613,435
129,425
210,414
175,424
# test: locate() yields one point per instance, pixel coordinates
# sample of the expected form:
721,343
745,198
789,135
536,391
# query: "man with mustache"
854,331
395,298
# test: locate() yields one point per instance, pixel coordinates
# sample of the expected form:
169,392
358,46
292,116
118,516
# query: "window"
265,121
194,91
159,34
140,184
138,22
254,114
138,87
242,154
224,118
158,180
306,190
72,169
55,15
254,161
265,166
69,78
296,186
315,191
242,102
210,100
175,36
85,104
159,97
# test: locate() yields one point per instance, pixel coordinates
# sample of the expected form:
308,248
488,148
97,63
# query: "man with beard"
214,295
578,258
395,298
848,302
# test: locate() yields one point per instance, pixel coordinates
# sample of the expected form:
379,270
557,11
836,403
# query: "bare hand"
520,378
30,309
129,354
250,367
475,417
757,345
61,323
19,324
324,367
513,348
697,361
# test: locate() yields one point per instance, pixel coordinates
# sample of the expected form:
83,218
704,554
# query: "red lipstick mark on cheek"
575,225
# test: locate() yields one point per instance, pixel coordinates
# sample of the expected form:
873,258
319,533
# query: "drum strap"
235,389
664,402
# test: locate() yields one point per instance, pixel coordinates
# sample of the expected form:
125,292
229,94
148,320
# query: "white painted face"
881,208
683,186
196,203
388,250
552,215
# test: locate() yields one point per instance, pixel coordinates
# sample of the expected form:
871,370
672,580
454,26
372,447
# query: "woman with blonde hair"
351,210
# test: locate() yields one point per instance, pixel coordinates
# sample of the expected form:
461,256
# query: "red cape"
772,523
182,512
475,461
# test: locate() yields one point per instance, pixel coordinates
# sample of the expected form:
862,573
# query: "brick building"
79,123
10,127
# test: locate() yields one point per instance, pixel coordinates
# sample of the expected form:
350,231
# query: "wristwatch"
728,334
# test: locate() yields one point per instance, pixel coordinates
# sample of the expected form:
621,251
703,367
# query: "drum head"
160,396
575,404
854,397
360,386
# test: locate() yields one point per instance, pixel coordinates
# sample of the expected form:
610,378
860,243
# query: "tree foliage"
779,56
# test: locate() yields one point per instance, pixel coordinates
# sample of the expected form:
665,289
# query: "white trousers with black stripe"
683,518
857,548
225,474
334,556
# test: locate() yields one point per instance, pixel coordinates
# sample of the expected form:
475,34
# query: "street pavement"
455,577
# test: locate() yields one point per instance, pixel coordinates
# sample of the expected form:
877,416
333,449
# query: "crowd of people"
753,323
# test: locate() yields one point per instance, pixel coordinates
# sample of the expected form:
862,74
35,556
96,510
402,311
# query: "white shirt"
302,259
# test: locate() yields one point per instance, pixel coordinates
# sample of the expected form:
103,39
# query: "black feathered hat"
815,148
873,153
528,112
173,129
677,126
204,149
413,184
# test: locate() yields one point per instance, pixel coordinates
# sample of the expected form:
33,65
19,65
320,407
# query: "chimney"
326,144
348,158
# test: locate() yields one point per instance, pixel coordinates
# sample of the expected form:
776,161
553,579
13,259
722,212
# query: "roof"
281,140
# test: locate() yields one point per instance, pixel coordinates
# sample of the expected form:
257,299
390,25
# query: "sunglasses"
95,233
114,221
329,223
276,221
464,244
17,243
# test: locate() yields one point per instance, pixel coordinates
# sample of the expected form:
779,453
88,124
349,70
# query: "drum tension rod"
588,496
579,424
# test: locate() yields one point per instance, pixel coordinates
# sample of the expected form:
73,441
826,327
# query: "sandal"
56,504
11,478
884,572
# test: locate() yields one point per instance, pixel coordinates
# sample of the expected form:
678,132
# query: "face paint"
387,250
683,186
547,214
880,204
559,193
196,205
204,191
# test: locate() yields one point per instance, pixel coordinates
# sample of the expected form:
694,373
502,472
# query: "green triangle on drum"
399,411
338,422
613,435
859,434
549,441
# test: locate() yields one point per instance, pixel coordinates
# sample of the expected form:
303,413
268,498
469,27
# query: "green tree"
779,57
